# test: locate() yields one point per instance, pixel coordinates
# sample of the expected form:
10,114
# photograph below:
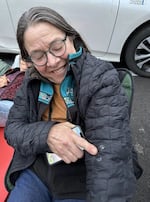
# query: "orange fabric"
45,115
58,107
6,153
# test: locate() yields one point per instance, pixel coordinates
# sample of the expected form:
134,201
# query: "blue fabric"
75,55
46,91
5,106
29,188
69,200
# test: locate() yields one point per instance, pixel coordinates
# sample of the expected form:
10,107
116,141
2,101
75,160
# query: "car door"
94,19
7,33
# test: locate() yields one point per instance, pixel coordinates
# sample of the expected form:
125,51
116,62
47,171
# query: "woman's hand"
67,144
3,81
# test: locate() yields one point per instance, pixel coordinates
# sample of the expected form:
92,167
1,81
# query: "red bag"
15,77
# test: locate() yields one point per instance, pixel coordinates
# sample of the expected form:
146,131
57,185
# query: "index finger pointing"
87,146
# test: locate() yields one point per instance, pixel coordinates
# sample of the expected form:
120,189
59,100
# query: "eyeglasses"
57,49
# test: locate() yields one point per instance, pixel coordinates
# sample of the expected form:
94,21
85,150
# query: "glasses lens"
57,48
39,58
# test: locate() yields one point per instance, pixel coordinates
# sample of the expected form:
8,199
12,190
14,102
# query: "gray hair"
44,14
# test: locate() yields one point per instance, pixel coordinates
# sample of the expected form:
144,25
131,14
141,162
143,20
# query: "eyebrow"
57,39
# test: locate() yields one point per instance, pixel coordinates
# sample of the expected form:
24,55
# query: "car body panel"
77,14
138,14
7,33
104,25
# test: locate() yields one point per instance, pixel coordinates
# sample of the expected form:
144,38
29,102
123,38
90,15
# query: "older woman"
67,86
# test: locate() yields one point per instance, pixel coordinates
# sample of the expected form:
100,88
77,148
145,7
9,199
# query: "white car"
114,30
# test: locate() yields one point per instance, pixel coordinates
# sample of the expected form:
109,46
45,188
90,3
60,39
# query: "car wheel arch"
128,41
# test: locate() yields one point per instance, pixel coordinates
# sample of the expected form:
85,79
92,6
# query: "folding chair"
126,80
6,153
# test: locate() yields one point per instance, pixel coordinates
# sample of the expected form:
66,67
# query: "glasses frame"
29,59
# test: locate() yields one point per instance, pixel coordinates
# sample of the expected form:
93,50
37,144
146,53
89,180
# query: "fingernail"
94,150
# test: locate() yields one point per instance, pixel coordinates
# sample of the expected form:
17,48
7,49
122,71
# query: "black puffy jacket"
103,109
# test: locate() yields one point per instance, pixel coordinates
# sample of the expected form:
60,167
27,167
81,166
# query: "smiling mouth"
59,70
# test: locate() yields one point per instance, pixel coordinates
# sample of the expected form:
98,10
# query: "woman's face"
39,38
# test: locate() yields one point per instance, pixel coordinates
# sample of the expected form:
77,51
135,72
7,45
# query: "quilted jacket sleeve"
110,176
29,135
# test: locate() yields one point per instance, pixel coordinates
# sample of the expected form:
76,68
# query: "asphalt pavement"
140,128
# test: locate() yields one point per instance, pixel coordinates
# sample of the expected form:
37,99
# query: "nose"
52,60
